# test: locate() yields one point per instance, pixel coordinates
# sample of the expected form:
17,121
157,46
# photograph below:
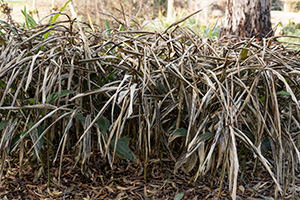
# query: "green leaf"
61,10
177,133
108,28
2,34
80,117
46,35
107,25
103,124
244,54
17,137
205,136
40,130
28,19
11,28
53,19
179,196
14,140
133,23
266,144
122,148
282,92
54,96
31,101
210,30
126,139
249,135
108,77
3,124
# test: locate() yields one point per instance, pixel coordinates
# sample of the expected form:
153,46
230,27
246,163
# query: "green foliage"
211,31
177,133
122,148
29,21
54,18
3,124
10,27
179,196
162,23
103,124
293,30
54,96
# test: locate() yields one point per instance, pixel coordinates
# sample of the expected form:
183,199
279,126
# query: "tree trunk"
170,9
248,18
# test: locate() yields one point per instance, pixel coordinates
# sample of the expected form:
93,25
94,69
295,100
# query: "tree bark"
248,18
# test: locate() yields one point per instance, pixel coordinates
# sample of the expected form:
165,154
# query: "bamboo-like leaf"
177,133
7,135
64,137
212,147
3,124
30,22
37,124
54,96
47,129
96,118
86,142
264,161
194,144
122,148
132,97
288,88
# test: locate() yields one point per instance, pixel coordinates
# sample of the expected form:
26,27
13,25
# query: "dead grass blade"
200,101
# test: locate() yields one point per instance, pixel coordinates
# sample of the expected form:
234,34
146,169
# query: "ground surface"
125,181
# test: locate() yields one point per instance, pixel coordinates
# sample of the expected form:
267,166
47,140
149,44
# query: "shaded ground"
126,181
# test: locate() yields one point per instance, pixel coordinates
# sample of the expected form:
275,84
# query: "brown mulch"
124,181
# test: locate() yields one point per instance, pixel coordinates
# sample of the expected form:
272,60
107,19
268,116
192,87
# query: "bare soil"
284,17
43,8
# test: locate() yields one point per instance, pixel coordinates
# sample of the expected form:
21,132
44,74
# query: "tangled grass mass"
213,106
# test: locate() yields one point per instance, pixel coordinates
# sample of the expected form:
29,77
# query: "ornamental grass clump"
212,105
